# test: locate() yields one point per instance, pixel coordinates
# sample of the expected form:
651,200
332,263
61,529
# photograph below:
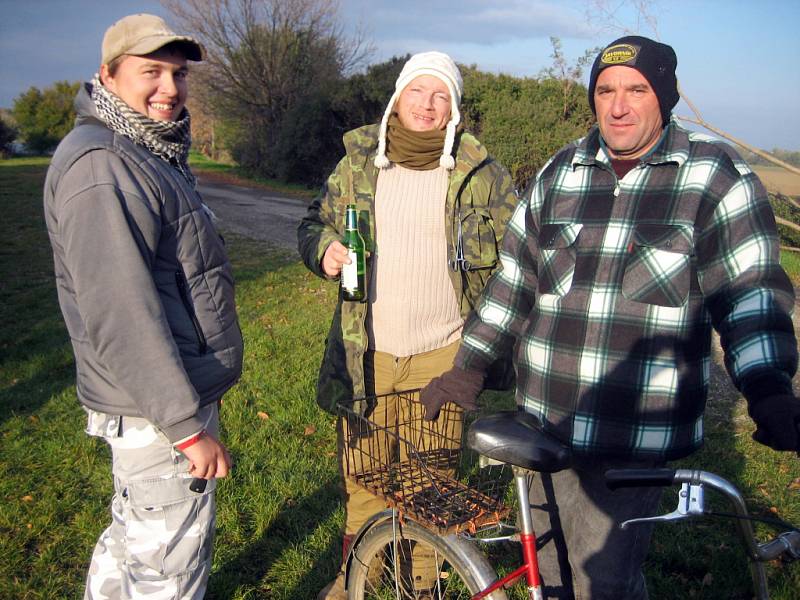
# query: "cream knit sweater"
412,306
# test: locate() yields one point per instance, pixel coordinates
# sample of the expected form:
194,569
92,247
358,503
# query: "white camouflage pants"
158,545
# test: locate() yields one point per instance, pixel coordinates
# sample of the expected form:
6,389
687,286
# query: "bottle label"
350,272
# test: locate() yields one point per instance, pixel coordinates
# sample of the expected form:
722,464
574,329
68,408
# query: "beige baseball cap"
142,34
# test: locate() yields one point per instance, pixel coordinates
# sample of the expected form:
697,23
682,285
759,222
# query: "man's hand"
335,256
456,385
777,420
209,458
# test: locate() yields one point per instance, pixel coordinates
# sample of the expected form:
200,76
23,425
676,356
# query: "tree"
266,60
363,96
568,75
7,135
45,116
522,121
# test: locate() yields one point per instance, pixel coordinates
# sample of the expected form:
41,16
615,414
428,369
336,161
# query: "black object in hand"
198,485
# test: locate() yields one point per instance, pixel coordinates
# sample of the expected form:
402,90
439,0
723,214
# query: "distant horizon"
742,85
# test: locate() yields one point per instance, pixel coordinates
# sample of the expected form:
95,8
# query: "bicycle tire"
458,569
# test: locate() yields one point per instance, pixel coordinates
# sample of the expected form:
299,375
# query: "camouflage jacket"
480,198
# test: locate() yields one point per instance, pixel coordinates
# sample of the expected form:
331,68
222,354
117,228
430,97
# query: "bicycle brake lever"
690,504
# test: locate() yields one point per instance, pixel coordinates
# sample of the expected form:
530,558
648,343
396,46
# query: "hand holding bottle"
336,255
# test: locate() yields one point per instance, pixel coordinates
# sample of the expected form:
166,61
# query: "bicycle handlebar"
786,544
618,478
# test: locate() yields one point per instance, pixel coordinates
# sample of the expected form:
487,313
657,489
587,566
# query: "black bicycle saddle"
517,438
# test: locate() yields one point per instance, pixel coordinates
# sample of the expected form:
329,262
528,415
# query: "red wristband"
189,442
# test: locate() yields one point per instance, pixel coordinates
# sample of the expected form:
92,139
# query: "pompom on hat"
654,60
442,67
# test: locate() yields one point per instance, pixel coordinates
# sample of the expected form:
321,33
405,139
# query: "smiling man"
147,294
433,205
631,244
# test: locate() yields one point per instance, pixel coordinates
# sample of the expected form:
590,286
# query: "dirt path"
254,212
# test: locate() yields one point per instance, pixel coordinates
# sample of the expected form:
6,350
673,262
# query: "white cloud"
470,21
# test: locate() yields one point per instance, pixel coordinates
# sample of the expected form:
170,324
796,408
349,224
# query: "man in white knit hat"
433,207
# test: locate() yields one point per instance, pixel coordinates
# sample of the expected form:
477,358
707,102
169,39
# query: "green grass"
790,261
234,174
280,511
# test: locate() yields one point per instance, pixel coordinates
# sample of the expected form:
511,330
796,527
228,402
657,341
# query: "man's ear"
105,76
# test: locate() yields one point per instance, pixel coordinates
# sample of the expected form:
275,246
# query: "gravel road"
254,212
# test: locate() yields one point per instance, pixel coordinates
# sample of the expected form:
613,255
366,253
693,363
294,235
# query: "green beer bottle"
354,279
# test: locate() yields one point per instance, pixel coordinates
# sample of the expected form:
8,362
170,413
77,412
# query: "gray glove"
456,385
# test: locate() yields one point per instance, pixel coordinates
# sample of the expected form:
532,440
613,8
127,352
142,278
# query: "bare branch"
766,155
788,224
788,199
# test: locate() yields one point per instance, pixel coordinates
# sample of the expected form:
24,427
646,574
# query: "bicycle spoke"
410,570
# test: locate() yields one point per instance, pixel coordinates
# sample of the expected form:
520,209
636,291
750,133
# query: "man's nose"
167,85
619,107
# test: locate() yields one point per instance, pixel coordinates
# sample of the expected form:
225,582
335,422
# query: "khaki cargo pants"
158,545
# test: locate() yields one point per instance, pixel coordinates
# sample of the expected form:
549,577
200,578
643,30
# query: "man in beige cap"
147,294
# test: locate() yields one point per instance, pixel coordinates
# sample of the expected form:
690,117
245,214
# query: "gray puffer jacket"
143,280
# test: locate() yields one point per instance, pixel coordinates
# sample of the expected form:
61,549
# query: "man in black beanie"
627,248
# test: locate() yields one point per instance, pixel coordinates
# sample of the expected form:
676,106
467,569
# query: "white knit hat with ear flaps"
442,67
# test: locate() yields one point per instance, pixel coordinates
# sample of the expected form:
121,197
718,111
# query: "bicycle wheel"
412,563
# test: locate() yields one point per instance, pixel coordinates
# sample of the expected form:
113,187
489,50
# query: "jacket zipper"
183,292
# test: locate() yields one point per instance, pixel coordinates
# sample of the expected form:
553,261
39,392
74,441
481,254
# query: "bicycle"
441,520
435,515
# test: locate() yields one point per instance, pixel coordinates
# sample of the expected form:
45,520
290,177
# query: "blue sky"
738,60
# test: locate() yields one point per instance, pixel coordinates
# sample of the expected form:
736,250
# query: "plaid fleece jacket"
610,289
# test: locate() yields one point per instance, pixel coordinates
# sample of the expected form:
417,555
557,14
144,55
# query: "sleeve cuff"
763,385
470,360
185,429
188,442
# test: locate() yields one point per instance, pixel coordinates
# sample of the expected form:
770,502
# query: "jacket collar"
362,144
672,147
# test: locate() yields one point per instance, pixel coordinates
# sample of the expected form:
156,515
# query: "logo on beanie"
618,54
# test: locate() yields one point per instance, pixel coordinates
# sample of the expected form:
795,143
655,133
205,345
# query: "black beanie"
654,60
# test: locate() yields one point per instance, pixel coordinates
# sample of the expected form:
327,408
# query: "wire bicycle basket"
420,467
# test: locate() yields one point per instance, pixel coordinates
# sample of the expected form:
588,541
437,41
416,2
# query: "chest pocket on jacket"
558,250
658,266
478,239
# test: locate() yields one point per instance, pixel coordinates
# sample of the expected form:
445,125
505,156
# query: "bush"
523,121
7,135
45,116
786,209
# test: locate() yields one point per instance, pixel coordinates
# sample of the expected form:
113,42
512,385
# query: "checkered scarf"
169,140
